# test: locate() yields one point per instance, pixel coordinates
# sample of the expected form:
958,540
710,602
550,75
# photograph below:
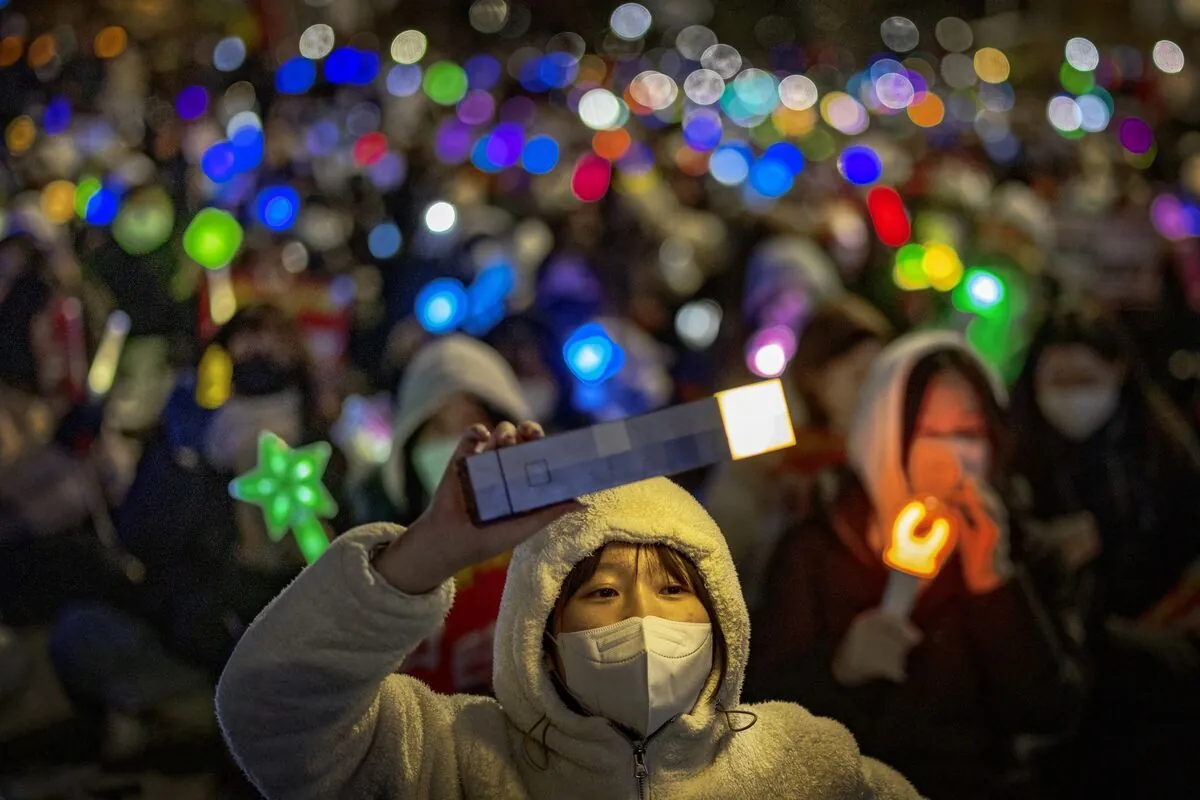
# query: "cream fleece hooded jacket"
311,708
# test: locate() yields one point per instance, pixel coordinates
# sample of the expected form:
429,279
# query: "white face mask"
430,460
1078,413
938,464
640,672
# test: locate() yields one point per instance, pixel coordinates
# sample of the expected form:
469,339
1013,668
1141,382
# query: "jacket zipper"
641,773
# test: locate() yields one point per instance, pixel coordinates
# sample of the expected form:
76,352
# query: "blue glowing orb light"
442,305
787,154
985,289
384,240
730,164
770,177
296,76
482,72
860,165
592,355
540,155
487,298
348,65
480,157
57,116
191,103
276,207
505,144
102,207
702,130
557,70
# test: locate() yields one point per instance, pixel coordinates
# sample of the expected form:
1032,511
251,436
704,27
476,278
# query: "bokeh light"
409,47
770,177
296,76
404,80
1081,54
277,207
942,266
1168,56
630,21
704,87
213,238
730,165
317,41
441,217
110,42
991,65
600,109
611,145
488,16
927,112
900,34
192,103
369,149
798,92
442,305
592,355
591,178
702,129
908,273
445,83
42,51
860,165
229,54
1064,113
20,135
540,155
698,323
954,34
84,192
57,201
1136,136
384,240
889,216
770,350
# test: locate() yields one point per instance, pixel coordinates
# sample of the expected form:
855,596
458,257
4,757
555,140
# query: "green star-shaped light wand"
287,486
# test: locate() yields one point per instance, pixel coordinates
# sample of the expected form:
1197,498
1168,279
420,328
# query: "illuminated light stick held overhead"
734,424
914,558
104,366
286,484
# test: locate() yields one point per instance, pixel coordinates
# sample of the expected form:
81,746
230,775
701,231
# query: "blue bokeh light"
248,146
218,162
702,131
442,305
102,207
557,70
860,165
57,116
276,207
479,155
192,102
540,155
788,154
366,70
729,165
404,80
770,177
342,65
592,355
384,240
296,76
505,144
483,72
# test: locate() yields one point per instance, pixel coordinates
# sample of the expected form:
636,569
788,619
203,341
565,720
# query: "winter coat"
311,708
989,665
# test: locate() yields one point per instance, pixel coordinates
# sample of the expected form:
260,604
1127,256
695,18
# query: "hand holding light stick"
914,558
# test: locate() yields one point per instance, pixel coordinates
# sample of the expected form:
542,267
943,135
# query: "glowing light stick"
287,486
214,378
222,301
212,238
735,424
914,558
108,355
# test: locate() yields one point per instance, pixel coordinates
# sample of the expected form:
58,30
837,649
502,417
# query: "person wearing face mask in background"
451,383
1113,475
942,694
620,649
209,563
757,500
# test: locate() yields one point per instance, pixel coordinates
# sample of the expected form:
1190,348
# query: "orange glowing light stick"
914,558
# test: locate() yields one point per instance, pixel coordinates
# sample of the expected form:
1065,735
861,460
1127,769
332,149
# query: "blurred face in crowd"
435,443
951,421
1078,391
838,385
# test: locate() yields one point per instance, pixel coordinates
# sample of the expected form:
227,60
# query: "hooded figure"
452,382
311,707
940,694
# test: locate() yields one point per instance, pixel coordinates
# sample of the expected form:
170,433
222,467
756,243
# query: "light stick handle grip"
900,594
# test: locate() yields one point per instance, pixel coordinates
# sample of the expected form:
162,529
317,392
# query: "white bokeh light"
600,109
630,21
798,92
440,217
704,87
1064,114
1082,54
317,41
1168,56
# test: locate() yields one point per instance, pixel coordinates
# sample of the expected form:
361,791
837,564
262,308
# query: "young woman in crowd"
1113,476
941,693
620,650
757,500
452,383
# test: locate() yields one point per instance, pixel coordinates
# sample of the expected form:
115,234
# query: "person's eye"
602,593
675,589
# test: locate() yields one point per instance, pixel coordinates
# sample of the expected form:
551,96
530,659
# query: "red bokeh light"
370,148
889,216
591,178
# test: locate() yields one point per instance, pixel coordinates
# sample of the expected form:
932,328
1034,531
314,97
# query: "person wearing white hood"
453,382
619,655
942,694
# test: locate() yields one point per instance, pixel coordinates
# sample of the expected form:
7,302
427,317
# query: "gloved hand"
875,647
983,539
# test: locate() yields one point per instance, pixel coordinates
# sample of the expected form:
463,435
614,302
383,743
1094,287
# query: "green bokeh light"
213,238
145,223
909,271
85,190
445,82
1075,81
287,486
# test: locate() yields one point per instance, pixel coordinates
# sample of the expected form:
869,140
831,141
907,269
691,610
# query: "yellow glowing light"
42,51
921,556
11,48
111,42
222,302
930,111
991,65
19,135
108,355
214,378
942,266
791,122
756,419
58,201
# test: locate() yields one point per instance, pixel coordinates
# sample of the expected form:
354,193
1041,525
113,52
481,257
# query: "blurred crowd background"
374,223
